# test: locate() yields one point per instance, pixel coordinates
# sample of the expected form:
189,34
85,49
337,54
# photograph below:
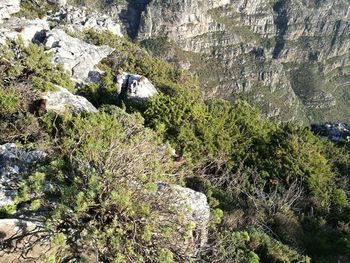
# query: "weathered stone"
77,56
14,162
260,48
136,86
76,19
28,30
8,7
62,100
194,208
58,2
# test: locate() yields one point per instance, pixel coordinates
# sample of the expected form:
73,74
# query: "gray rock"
194,206
14,162
77,56
28,30
76,19
137,87
58,2
62,100
259,45
8,7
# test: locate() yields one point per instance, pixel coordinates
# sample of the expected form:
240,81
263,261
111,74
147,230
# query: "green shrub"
9,101
22,64
103,185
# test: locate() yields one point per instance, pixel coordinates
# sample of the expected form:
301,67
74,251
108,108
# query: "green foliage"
9,101
103,185
20,64
32,9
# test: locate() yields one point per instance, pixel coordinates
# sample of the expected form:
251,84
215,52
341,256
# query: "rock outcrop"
289,57
28,30
14,162
338,132
7,8
17,250
76,19
135,87
62,100
77,56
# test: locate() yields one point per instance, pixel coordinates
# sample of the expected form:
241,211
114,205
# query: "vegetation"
277,192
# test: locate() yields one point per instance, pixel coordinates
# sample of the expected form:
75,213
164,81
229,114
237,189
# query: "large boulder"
14,162
62,100
8,7
195,211
135,86
77,56
28,30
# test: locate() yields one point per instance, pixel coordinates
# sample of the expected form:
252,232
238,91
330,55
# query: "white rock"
194,206
62,100
136,86
8,7
28,30
77,57
80,20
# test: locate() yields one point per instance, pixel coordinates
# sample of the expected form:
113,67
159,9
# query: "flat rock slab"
62,100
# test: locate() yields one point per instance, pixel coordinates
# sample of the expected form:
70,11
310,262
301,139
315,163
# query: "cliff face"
291,58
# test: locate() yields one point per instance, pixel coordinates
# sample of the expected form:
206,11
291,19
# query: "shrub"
103,186
23,64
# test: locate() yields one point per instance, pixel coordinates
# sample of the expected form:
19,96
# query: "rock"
58,2
62,100
77,56
194,207
136,86
263,48
28,30
76,19
14,162
12,251
337,132
8,7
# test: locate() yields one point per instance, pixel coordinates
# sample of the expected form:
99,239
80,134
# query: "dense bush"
29,64
100,191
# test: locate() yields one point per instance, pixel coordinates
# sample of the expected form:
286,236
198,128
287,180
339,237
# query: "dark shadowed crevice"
281,22
132,16
336,32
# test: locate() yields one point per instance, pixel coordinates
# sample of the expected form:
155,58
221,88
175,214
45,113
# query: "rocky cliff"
291,58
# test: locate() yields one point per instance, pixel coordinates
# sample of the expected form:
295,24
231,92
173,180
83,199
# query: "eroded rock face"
76,19
76,56
8,7
14,162
262,48
62,100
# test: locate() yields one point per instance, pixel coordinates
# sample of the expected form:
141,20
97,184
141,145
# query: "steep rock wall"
291,58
